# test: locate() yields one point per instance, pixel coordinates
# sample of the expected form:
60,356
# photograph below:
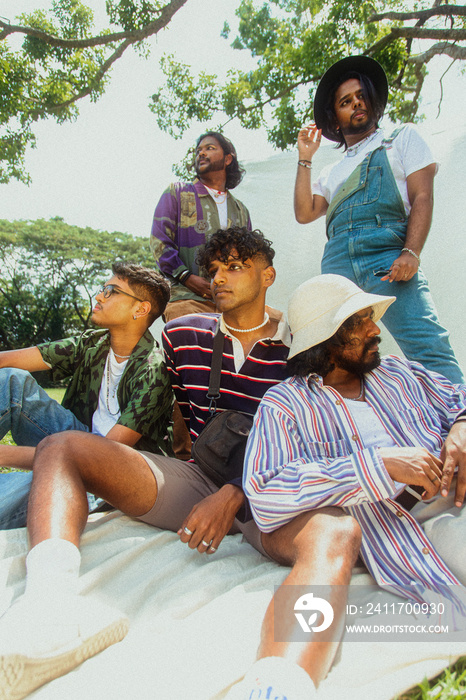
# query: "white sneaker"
244,691
40,640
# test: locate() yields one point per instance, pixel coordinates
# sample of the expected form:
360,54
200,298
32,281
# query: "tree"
294,42
63,59
49,272
60,62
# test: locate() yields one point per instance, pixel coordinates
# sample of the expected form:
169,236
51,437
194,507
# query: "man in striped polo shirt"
321,549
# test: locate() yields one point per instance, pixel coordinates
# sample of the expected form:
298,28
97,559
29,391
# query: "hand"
453,455
415,466
199,286
308,141
211,519
402,269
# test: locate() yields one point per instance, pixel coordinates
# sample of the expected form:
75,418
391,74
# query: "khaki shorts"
183,307
180,486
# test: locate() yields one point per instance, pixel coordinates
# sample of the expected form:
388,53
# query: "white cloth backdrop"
195,620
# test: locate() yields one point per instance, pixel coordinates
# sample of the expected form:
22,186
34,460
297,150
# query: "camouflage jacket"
144,392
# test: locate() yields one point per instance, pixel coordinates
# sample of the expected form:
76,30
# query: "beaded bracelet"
305,163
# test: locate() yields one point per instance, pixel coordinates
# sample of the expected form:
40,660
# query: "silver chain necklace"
357,398
109,377
354,150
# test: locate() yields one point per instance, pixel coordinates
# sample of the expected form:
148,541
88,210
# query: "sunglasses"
109,289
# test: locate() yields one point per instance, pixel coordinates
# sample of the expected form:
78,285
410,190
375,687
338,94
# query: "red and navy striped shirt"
188,344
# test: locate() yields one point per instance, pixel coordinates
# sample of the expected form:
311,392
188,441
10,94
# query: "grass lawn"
450,685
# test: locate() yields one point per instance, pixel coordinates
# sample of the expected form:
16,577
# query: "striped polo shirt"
188,344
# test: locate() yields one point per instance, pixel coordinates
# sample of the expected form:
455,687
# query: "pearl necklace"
357,398
353,150
248,330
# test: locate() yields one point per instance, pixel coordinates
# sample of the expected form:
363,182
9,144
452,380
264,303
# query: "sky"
108,169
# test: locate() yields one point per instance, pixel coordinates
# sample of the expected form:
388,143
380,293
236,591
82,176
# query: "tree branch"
282,93
105,67
452,50
443,10
53,40
135,35
152,28
423,33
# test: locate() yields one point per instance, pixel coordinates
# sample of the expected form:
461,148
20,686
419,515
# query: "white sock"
53,569
286,679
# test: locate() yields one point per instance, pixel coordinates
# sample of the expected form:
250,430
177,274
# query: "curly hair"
246,244
370,95
148,284
234,171
317,358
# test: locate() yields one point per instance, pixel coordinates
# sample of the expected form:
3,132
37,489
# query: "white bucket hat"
321,305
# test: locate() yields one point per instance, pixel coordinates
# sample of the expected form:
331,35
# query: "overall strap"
387,143
213,393
354,182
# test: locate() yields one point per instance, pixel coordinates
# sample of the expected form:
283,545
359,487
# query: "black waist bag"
219,449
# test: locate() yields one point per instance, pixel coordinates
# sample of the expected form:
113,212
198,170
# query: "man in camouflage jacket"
118,388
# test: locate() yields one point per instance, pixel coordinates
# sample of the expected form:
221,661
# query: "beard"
361,128
209,167
363,364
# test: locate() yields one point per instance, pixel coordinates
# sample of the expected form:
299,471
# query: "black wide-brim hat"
332,77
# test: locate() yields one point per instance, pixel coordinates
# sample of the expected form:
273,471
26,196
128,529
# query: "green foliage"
62,60
187,98
48,273
294,42
449,685
132,15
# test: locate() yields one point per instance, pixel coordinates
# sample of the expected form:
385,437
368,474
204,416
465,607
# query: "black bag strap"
213,393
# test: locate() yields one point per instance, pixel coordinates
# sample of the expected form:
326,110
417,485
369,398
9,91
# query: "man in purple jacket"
188,213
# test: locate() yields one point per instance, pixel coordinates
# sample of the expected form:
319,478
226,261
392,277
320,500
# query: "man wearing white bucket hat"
378,202
363,433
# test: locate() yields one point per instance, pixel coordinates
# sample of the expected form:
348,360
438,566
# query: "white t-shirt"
371,429
105,417
407,153
221,202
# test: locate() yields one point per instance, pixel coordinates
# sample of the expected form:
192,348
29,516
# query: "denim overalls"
366,228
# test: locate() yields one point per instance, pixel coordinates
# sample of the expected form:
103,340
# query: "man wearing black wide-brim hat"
378,204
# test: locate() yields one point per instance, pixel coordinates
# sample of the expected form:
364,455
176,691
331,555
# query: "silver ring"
436,478
213,549
206,544
187,531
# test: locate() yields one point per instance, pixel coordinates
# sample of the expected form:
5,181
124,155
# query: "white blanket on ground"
195,620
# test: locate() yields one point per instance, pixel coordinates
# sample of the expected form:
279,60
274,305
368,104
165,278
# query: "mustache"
372,344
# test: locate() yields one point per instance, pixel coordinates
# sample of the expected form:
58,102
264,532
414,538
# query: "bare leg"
67,465
322,547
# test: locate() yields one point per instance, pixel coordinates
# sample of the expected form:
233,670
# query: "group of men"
340,436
